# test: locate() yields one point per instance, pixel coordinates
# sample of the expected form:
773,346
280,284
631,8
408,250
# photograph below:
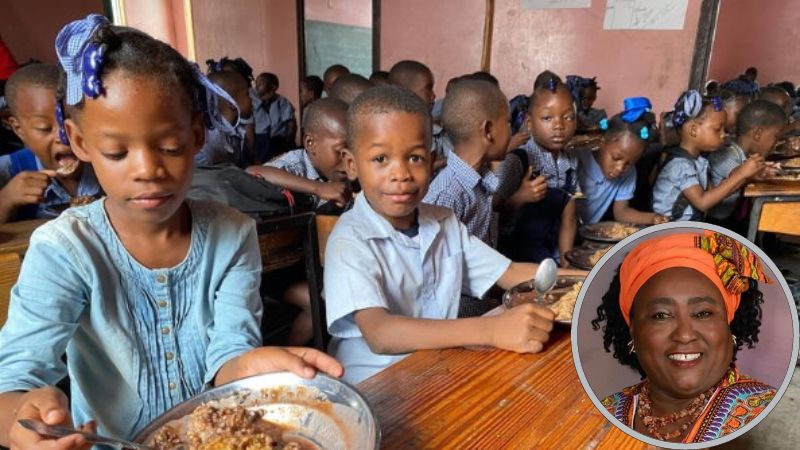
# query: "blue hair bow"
209,103
635,108
644,133
81,59
603,124
688,106
716,102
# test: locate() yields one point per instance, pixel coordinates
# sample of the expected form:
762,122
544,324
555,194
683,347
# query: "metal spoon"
56,432
544,280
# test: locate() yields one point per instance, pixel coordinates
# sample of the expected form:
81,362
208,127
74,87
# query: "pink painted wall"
263,32
447,36
29,27
356,13
757,33
161,19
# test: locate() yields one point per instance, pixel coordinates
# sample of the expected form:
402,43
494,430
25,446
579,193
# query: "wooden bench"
9,272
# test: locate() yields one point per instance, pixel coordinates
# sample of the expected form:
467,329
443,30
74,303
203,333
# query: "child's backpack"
232,186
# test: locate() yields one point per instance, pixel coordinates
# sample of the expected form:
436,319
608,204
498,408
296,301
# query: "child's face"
422,85
35,123
325,147
618,154
500,136
551,121
732,110
588,97
265,91
243,101
707,132
764,139
306,95
393,164
141,141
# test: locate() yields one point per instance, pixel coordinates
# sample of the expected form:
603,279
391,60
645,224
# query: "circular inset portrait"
685,335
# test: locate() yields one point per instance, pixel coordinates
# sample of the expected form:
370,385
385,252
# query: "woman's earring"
734,339
631,348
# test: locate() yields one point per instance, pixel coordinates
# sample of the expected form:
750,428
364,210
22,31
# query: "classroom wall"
29,27
161,19
763,34
447,35
263,32
357,13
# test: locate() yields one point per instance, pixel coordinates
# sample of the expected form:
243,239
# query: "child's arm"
567,230
530,191
523,329
48,405
705,200
624,213
301,361
24,189
331,191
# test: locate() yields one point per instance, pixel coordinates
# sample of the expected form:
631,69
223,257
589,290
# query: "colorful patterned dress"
737,400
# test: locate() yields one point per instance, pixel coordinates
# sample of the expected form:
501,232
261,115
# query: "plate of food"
585,141
608,231
587,255
787,148
277,411
561,299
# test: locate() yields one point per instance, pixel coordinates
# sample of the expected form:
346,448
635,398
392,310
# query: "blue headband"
83,60
635,108
687,107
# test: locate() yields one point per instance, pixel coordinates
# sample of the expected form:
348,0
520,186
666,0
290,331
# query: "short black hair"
483,75
230,81
760,113
382,100
40,75
787,86
318,111
314,84
468,104
618,127
729,96
236,64
379,76
138,53
751,71
347,87
546,81
336,68
616,333
271,79
404,72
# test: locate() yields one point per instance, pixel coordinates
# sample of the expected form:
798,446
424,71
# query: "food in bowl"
564,307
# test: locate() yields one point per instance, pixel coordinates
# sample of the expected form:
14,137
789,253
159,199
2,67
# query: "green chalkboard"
331,43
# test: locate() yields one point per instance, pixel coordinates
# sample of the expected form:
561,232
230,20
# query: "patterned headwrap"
687,107
82,60
723,260
576,83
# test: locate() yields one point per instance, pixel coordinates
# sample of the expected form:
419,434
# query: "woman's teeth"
684,356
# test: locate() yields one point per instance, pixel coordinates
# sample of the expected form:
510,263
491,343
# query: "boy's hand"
532,191
301,361
658,218
522,329
751,167
334,191
48,405
518,140
27,187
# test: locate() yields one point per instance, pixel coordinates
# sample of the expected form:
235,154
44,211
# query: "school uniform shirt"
271,119
369,264
721,163
56,198
675,177
440,143
601,193
469,194
220,148
299,164
138,340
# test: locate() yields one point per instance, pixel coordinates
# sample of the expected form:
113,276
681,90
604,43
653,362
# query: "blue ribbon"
687,107
635,108
81,59
209,103
603,124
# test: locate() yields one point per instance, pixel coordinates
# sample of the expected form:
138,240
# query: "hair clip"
551,84
716,102
93,59
603,124
62,132
644,133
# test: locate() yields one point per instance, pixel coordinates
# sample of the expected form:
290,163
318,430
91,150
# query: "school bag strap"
681,203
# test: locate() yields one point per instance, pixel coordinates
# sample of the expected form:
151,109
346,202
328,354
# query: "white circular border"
693,226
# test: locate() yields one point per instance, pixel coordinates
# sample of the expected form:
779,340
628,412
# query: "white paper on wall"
555,4
645,14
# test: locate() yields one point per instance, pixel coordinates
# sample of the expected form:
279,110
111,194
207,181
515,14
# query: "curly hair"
616,333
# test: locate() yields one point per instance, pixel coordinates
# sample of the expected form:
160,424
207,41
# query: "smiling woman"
678,311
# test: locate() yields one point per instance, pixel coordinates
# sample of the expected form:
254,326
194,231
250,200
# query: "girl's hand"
658,218
48,405
522,329
518,140
301,361
751,167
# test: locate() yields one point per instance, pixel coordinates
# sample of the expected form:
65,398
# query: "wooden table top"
15,236
487,399
771,189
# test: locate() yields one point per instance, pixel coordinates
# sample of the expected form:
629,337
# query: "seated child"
310,90
348,87
274,116
584,93
42,179
331,74
152,297
733,104
234,143
608,176
395,267
759,125
316,169
540,217
682,190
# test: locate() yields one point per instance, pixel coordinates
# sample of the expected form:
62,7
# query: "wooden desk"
776,208
15,236
487,399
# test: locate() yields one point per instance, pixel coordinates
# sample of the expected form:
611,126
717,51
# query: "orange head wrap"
726,262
